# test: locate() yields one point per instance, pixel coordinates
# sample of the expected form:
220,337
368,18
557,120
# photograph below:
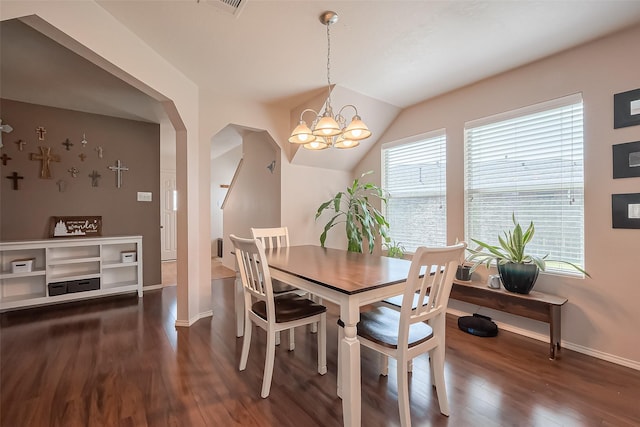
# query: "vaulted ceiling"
396,53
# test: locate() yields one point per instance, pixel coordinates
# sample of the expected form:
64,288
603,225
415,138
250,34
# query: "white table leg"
350,369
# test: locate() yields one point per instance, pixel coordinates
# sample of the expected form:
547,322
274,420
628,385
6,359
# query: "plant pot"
518,278
463,273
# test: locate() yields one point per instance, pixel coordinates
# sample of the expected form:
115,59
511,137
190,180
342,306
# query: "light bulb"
347,143
356,132
327,131
303,137
314,144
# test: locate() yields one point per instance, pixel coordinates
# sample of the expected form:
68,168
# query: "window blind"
529,162
414,174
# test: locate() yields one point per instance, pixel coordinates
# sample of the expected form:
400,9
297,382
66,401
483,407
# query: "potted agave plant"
518,270
361,219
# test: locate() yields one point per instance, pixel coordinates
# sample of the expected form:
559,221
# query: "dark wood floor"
121,362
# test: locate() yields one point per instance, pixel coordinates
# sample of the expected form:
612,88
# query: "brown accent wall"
25,213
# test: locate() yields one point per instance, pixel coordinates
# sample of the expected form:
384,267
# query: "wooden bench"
535,305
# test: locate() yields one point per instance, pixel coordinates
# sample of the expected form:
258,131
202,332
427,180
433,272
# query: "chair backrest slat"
437,267
254,271
272,238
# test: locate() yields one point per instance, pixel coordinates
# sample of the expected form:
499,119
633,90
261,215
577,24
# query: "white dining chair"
395,303
274,238
419,326
273,314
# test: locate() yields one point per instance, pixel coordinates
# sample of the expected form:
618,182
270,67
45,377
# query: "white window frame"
486,219
440,228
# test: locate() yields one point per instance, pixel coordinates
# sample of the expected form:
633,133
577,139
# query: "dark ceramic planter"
518,278
463,273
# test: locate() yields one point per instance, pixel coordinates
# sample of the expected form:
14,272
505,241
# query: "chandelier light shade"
329,130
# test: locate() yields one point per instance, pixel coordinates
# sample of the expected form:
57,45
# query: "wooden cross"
82,156
40,131
118,169
20,144
95,176
46,158
15,177
68,144
5,159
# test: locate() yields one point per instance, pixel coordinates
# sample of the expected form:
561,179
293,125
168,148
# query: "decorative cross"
82,156
5,129
15,177
99,150
46,158
40,131
73,171
84,141
95,176
68,144
20,144
118,169
62,185
5,159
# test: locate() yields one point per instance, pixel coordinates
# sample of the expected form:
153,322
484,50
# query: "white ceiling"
400,52
274,52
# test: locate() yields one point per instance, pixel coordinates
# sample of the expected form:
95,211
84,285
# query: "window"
529,162
414,174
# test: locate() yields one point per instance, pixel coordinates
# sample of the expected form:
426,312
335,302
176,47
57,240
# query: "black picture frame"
625,210
626,160
622,114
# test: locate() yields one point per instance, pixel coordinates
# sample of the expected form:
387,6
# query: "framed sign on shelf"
75,226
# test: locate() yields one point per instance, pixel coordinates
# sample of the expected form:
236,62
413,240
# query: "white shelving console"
63,260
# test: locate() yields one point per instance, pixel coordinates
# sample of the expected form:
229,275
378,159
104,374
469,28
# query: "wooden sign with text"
75,226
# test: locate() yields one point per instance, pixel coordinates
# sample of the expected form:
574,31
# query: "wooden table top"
346,272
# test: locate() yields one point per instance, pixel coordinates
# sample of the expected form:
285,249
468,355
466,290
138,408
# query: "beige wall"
81,26
222,170
25,213
305,188
602,314
254,197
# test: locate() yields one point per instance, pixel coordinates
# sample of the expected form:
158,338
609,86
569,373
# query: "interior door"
168,206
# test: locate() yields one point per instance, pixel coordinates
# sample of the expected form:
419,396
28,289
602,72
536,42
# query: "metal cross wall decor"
68,144
5,159
40,131
118,169
73,171
95,176
20,144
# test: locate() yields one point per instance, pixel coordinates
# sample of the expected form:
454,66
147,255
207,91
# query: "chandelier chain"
329,60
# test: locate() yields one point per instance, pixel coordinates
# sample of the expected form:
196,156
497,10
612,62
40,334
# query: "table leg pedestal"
350,377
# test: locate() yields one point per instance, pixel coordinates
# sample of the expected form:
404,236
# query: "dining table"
350,280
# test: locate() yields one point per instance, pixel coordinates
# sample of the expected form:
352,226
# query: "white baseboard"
568,345
187,323
152,288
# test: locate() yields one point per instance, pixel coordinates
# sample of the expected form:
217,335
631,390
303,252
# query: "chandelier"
329,130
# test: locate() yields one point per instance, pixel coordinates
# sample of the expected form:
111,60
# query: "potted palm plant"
518,270
361,219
